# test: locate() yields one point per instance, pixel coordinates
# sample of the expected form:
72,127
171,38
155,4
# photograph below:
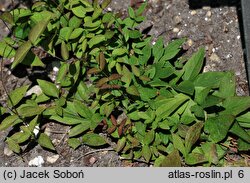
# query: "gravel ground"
211,24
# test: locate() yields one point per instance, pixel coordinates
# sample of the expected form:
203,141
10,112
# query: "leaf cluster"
153,102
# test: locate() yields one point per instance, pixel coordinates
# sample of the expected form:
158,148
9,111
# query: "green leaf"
27,110
32,60
134,34
240,132
74,142
37,30
243,145
92,139
227,86
132,90
21,53
17,95
210,151
193,134
33,123
13,145
131,12
195,158
209,79
20,137
126,76
166,106
119,51
83,110
48,88
236,104
9,121
6,51
141,9
80,128
7,17
64,51
158,49
147,93
146,153
171,160
96,14
218,127
178,144
185,86
149,137
193,66
107,108
45,141
69,120
76,33
96,40
172,49
64,34
75,22
121,144
201,93
79,11
244,120
92,25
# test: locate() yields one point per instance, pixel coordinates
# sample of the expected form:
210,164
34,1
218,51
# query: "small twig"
64,135
95,151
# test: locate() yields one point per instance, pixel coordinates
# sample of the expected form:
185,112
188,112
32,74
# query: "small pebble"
206,8
193,12
36,130
176,30
238,37
190,42
47,131
56,69
92,160
209,14
7,151
56,141
37,161
214,57
52,159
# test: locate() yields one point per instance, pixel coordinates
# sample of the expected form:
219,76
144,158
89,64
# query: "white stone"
52,159
193,12
47,131
190,42
92,160
55,69
206,8
176,30
7,151
37,161
238,37
36,130
209,14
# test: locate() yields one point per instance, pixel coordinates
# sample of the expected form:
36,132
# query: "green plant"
150,100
